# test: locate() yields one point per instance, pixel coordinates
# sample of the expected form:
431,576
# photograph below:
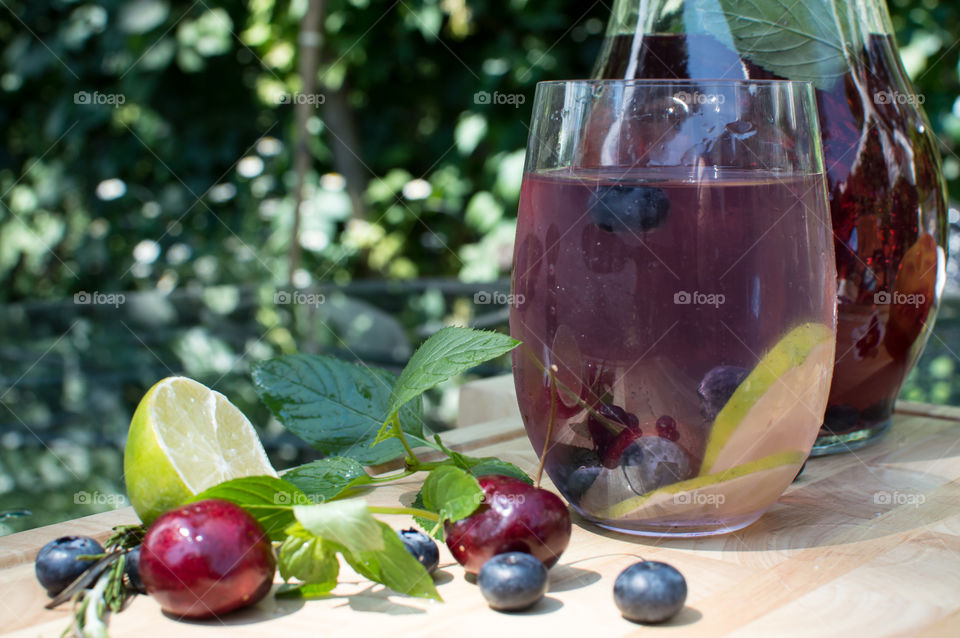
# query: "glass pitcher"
887,194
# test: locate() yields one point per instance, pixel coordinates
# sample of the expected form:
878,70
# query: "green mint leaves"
449,352
795,40
266,498
451,492
329,478
348,523
311,558
335,406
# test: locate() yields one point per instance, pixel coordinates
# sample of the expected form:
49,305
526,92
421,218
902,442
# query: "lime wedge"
184,438
779,406
736,491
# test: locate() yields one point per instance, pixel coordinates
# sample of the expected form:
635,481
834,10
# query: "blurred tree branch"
309,44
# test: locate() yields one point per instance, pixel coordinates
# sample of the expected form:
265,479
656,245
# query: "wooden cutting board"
831,558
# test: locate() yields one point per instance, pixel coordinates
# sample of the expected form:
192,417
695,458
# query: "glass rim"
677,81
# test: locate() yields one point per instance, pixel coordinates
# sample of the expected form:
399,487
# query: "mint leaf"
335,406
303,590
795,40
481,466
326,479
393,566
348,523
451,492
267,499
490,465
309,559
428,526
447,353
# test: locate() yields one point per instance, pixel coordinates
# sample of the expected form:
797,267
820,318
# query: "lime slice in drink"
184,438
779,406
736,491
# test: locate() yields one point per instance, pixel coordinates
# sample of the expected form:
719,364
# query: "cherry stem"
553,414
410,511
393,477
607,423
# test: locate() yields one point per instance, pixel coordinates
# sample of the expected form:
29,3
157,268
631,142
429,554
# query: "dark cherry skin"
206,559
513,517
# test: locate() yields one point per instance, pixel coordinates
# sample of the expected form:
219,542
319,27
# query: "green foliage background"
202,144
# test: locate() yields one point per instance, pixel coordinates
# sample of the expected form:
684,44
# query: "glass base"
679,530
828,443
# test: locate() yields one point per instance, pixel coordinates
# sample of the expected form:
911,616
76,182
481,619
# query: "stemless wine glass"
673,288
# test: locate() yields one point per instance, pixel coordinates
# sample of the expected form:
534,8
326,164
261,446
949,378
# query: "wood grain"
831,558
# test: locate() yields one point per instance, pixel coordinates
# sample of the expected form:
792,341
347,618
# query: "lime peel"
183,439
630,505
789,353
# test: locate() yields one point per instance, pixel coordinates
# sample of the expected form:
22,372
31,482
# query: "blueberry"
512,581
579,481
717,387
576,470
628,208
651,462
57,565
649,592
423,548
132,570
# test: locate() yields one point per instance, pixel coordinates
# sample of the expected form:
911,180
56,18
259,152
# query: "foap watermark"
298,298
502,499
895,497
513,99
97,298
899,299
84,497
96,97
697,498
692,99
896,97
294,498
313,99
697,298
495,297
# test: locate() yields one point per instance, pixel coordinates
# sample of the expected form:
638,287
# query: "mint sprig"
360,415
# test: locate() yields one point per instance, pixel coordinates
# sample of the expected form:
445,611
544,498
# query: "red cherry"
613,452
513,517
667,428
206,559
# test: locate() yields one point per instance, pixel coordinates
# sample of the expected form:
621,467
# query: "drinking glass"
674,290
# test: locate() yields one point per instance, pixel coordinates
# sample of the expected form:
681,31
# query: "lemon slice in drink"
779,406
183,439
736,491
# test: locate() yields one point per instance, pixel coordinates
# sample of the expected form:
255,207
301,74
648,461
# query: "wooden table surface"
864,544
